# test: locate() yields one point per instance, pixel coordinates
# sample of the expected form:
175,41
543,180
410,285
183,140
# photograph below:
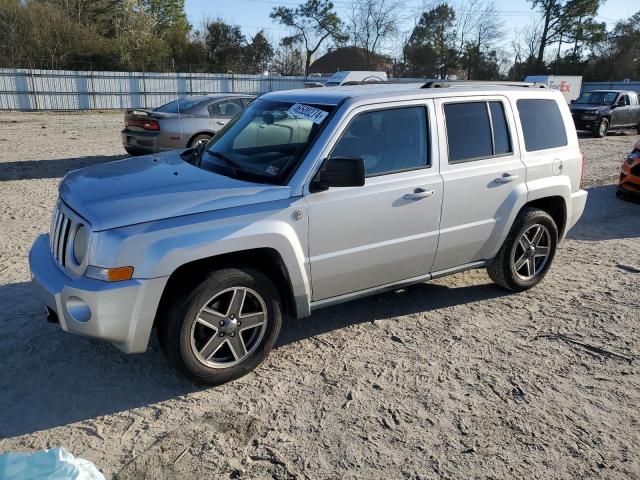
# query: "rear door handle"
506,178
418,194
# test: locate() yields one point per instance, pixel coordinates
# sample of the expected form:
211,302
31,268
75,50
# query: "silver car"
306,199
181,123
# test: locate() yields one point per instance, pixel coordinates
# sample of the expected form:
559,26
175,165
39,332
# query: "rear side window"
542,124
476,130
226,108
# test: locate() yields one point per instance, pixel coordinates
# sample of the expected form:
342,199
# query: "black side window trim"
491,129
428,139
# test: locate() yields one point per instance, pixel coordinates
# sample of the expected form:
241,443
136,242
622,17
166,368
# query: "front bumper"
119,312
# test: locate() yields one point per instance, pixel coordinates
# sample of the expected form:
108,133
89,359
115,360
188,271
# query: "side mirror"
339,172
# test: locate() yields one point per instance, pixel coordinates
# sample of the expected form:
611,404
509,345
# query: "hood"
154,187
586,107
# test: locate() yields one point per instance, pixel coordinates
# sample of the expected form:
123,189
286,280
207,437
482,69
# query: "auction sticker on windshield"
307,112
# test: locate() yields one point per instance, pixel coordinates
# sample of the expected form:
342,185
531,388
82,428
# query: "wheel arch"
554,205
265,259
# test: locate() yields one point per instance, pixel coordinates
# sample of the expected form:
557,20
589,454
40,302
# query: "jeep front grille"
59,235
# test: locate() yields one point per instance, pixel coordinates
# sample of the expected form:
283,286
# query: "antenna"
175,75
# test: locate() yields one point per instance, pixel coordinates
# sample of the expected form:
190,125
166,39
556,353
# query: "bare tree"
371,23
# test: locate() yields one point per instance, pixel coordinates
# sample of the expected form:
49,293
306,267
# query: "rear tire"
211,331
198,139
601,129
524,260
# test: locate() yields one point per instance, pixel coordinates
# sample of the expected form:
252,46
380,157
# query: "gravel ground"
454,379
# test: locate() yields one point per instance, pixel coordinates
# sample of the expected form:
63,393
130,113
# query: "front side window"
265,141
542,124
390,140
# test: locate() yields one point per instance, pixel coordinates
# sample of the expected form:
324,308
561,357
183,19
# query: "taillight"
582,173
142,123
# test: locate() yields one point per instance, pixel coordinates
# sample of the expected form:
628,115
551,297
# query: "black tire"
503,268
175,327
600,130
203,137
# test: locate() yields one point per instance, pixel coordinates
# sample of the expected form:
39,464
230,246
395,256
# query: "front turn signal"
110,274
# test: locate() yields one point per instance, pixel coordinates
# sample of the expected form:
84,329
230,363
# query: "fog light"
78,310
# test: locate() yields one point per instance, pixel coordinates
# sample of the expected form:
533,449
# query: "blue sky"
253,15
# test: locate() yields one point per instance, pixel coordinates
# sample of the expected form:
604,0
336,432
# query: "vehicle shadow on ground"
606,217
51,378
57,168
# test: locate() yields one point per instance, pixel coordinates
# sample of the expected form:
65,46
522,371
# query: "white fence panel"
25,89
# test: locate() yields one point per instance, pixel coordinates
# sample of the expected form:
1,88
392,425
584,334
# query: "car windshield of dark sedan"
598,98
265,142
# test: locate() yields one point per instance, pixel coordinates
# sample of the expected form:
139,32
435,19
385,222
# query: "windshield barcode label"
307,112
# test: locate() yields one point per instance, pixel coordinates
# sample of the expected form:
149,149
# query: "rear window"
179,106
542,124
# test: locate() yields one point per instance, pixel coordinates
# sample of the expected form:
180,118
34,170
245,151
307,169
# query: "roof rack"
464,83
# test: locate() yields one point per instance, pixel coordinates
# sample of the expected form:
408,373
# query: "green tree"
225,46
258,54
431,48
169,15
313,22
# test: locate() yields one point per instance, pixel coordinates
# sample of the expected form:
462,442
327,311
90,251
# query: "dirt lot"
453,379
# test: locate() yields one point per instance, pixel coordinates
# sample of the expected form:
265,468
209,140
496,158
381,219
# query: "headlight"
80,243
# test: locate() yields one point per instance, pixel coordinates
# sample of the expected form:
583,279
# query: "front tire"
527,252
601,129
223,327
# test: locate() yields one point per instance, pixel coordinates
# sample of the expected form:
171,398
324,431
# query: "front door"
387,230
482,173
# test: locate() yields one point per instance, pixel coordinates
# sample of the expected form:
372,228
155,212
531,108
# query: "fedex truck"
569,86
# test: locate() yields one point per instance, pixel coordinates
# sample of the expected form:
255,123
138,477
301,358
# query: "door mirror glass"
339,172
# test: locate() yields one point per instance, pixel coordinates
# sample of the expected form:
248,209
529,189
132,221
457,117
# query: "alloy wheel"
532,252
229,327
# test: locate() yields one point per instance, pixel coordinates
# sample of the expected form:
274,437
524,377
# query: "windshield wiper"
230,164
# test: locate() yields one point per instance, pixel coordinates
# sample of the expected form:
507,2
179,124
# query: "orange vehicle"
629,185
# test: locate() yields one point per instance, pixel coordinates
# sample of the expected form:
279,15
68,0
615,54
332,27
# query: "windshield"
265,142
183,103
598,98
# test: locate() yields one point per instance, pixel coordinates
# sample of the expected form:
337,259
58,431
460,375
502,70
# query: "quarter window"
476,130
542,124
390,140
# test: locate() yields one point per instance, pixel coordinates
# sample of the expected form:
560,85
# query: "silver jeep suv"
307,199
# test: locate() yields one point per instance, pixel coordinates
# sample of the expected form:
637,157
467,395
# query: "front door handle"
220,122
506,178
419,193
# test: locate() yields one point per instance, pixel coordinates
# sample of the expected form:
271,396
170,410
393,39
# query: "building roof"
349,58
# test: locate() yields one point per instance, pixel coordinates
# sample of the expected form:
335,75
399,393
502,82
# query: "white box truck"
569,86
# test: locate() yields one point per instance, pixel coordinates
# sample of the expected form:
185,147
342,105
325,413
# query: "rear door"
387,230
483,176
